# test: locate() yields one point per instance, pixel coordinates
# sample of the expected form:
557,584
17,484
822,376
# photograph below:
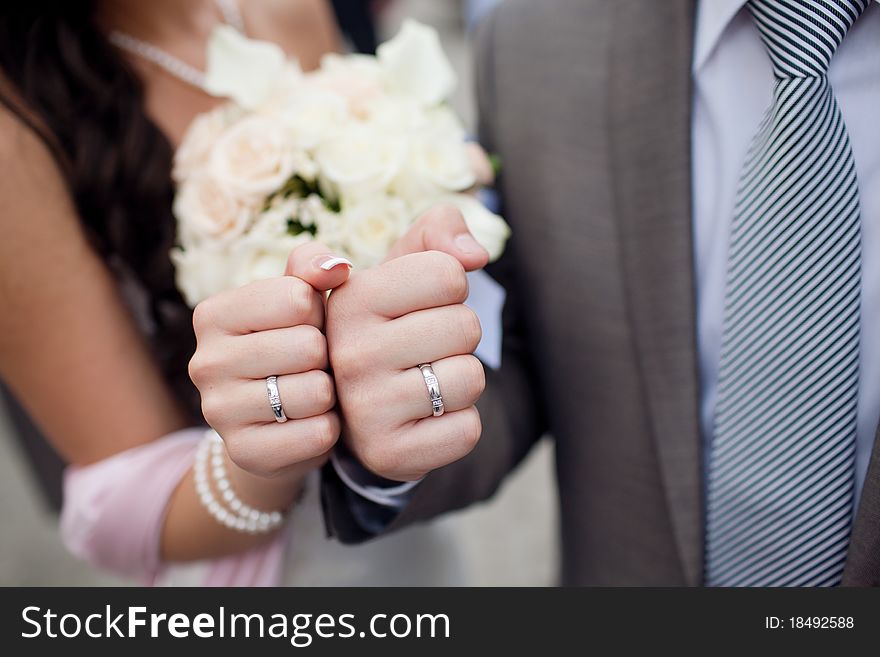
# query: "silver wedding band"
433,389
275,399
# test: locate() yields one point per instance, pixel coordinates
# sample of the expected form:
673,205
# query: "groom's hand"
386,321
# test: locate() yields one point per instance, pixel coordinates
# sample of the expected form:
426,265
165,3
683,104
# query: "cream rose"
199,140
206,211
416,64
255,258
201,273
372,226
254,158
361,161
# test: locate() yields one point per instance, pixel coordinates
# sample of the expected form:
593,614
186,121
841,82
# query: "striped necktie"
781,470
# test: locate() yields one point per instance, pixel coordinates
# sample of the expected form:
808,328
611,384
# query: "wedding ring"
433,389
275,399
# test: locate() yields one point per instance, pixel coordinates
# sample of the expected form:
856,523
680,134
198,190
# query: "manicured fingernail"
468,245
328,262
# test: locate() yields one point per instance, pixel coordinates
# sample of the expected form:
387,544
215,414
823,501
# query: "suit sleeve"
510,408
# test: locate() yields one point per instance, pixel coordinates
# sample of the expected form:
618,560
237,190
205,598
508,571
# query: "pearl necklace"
172,65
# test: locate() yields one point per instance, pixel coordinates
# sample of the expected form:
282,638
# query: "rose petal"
240,68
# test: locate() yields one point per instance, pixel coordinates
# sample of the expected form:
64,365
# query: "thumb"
442,228
318,266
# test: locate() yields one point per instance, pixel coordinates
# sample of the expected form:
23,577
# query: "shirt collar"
713,17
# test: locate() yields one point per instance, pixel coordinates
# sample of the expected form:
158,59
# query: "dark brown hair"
76,91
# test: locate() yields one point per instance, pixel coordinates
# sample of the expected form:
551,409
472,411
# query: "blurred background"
510,541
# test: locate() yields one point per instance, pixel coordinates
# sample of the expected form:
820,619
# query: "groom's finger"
462,381
442,228
318,266
417,281
432,443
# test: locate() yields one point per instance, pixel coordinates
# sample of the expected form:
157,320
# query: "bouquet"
350,154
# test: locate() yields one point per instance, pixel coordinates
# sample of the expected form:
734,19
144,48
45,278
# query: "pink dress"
114,511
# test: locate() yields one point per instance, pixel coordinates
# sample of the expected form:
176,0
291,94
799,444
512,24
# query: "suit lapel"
650,127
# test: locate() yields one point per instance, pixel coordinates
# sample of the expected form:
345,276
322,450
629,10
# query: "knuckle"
212,408
472,330
324,391
472,429
203,368
300,296
194,368
325,432
312,345
475,377
450,276
202,317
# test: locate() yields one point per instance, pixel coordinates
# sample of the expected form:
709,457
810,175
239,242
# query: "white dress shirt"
733,83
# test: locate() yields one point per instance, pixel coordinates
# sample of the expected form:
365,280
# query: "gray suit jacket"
588,104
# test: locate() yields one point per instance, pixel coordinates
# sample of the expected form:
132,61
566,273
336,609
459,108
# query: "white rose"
206,211
312,115
254,158
396,113
255,258
201,273
242,69
199,140
438,164
415,63
360,160
372,226
490,230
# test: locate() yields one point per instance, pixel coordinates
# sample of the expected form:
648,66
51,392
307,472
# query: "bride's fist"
270,328
385,322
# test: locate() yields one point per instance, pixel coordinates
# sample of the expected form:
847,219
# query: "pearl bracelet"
238,515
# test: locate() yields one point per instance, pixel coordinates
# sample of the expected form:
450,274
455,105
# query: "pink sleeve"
114,511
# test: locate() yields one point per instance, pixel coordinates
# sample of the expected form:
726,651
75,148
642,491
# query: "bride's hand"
386,321
271,327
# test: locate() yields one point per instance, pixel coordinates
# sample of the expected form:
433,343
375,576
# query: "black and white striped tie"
781,474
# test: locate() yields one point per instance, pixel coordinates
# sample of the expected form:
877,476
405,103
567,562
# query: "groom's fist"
386,321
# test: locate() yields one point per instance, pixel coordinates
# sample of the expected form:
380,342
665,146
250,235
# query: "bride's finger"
261,306
302,396
281,351
318,266
461,380
269,449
